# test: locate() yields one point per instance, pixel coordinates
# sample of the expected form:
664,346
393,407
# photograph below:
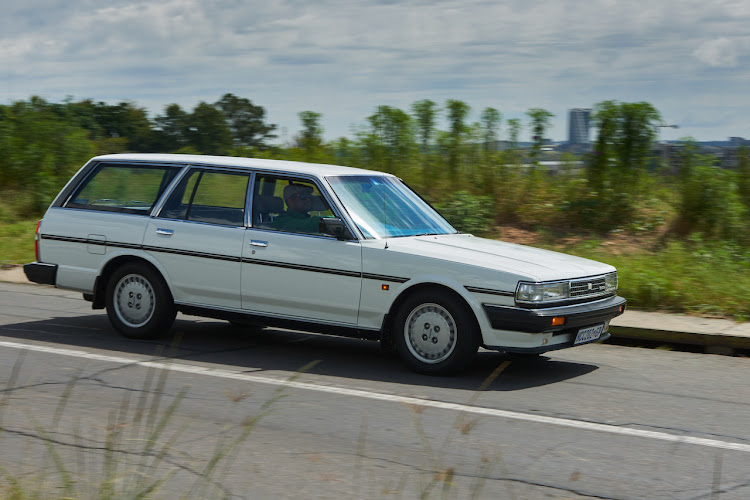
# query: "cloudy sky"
689,58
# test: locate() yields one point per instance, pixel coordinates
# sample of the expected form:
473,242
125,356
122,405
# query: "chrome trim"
602,294
168,192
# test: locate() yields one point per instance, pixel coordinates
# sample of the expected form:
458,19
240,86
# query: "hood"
528,262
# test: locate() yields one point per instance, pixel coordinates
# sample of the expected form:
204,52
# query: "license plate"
589,334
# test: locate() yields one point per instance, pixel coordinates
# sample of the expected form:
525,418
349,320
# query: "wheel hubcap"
430,333
134,300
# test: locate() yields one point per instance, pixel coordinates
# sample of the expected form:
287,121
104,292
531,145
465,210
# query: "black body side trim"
305,326
229,258
487,291
190,253
44,274
300,267
540,320
88,241
382,277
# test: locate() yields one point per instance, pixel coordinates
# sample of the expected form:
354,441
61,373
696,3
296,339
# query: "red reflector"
36,242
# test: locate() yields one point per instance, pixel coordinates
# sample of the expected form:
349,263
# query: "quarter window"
131,189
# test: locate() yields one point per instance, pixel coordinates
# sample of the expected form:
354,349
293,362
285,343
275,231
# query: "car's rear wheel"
139,304
435,332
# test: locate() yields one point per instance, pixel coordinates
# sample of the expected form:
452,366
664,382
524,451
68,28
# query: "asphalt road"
221,411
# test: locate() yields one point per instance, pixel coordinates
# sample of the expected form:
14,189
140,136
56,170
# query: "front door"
289,268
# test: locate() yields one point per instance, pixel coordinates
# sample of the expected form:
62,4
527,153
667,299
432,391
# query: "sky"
690,59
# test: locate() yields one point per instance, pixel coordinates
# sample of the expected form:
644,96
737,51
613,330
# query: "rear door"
198,235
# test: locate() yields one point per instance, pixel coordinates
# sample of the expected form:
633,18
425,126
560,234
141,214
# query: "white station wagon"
311,247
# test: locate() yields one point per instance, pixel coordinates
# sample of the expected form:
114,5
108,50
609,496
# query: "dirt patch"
516,235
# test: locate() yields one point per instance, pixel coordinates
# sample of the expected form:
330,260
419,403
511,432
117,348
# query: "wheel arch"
387,330
100,286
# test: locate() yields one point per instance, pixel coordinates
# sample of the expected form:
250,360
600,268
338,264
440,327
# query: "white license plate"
589,334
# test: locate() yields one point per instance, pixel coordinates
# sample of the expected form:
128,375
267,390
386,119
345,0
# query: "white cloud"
723,52
344,58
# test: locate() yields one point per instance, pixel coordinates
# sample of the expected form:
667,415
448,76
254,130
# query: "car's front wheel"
435,332
139,304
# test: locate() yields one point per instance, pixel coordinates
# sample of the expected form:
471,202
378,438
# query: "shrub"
468,213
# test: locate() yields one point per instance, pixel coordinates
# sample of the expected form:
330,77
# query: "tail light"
36,241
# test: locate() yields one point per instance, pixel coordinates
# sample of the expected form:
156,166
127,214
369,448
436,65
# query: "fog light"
558,321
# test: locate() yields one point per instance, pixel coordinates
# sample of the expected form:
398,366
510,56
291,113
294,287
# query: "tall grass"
135,458
692,276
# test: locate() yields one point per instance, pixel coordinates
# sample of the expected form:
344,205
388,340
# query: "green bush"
468,213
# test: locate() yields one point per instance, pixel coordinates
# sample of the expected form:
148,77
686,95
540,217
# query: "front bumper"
540,320
38,272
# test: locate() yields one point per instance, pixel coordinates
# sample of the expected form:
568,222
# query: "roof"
317,169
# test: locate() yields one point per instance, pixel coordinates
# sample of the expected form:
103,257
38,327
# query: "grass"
695,277
17,241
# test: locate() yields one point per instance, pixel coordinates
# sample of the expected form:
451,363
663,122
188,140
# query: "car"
320,248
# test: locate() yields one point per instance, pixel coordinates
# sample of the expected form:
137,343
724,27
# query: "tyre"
435,332
139,304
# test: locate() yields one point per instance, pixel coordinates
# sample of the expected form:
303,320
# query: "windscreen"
384,207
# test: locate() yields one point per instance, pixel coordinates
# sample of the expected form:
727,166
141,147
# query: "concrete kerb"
717,336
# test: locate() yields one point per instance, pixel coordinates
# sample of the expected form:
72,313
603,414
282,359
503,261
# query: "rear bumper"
38,272
540,320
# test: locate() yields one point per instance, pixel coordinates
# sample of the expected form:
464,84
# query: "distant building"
578,126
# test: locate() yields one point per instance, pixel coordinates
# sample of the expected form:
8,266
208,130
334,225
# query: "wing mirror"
335,227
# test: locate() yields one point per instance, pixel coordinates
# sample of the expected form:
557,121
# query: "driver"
297,219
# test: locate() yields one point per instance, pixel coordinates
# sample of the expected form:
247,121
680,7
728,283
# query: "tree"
311,137
626,132
245,122
207,131
539,123
626,135
425,112
457,113
39,150
490,126
743,174
393,130
170,133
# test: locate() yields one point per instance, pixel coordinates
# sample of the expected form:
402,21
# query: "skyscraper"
578,125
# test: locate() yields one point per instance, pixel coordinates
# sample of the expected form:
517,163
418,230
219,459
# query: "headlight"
542,292
610,281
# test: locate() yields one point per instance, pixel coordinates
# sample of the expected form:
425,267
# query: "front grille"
586,287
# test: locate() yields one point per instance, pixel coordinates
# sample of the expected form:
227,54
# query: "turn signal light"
558,321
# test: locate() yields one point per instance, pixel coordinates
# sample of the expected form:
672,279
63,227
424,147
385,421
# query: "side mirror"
335,227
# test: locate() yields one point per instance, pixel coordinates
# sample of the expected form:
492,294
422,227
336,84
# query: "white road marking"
342,391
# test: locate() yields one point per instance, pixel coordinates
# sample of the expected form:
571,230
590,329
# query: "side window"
209,196
132,189
288,204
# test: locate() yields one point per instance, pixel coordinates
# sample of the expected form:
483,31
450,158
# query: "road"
219,411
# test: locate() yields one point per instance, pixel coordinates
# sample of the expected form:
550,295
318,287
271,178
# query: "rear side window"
132,189
209,196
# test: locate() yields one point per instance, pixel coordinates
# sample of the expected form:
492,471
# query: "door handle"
258,243
165,232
